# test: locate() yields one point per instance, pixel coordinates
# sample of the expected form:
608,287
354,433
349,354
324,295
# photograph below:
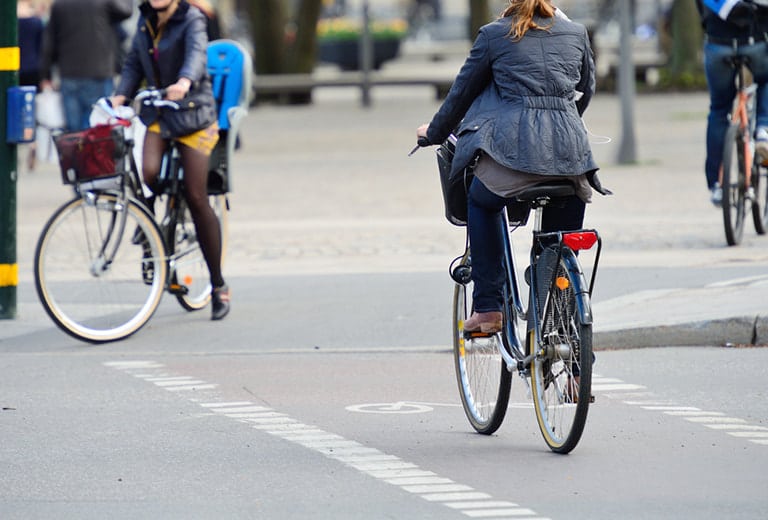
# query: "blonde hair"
522,13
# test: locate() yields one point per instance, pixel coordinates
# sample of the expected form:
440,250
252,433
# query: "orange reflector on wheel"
562,283
187,280
580,240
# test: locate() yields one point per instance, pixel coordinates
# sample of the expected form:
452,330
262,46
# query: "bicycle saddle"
549,190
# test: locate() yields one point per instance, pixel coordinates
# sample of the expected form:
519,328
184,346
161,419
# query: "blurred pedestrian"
731,28
212,26
79,41
517,103
30,30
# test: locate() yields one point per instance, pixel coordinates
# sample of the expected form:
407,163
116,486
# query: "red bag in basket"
91,153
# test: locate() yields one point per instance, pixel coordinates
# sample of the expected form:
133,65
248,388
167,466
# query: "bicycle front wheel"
483,378
95,281
189,268
759,183
561,375
734,190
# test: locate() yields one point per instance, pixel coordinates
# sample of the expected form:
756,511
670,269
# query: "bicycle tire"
483,379
561,371
86,295
734,175
760,201
191,270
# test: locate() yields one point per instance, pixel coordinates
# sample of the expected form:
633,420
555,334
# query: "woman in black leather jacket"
517,103
169,51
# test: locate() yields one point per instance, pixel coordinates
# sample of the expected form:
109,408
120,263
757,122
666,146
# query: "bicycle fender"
581,288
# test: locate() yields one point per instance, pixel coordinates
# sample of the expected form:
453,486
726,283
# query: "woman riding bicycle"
169,51
517,102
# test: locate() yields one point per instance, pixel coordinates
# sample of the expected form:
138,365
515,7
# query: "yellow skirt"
203,140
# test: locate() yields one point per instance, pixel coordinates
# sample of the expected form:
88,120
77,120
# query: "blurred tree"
284,41
685,68
479,15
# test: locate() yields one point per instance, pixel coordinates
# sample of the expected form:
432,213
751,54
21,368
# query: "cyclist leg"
720,80
485,226
154,148
563,217
758,64
195,165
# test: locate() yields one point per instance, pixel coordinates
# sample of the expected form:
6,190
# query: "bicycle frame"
743,115
515,355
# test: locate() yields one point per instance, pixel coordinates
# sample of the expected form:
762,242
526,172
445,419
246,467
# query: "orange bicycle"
744,179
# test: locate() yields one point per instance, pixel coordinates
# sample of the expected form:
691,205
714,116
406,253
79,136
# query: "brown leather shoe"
485,322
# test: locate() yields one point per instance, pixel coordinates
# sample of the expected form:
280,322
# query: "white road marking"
733,426
384,467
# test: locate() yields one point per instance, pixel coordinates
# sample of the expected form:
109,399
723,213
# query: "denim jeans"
486,227
722,91
79,95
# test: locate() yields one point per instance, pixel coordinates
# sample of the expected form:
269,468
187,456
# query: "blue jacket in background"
517,100
734,19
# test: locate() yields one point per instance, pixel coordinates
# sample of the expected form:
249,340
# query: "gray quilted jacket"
517,101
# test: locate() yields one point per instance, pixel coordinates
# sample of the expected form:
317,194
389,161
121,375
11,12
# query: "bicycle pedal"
478,335
176,288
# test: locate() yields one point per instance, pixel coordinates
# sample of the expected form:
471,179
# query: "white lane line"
370,461
498,513
700,413
450,497
673,408
244,409
413,481
191,388
715,420
186,381
224,405
735,427
615,387
480,505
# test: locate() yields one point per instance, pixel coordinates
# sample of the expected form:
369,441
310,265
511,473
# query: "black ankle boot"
219,302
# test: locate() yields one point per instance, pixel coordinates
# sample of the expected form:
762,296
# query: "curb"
744,330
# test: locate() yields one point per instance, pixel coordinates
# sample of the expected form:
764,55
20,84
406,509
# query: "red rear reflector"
580,240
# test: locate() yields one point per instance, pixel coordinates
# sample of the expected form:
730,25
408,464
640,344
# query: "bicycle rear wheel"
759,183
94,282
483,378
189,269
734,191
561,372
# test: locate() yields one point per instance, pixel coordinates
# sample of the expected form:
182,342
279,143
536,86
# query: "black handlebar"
421,142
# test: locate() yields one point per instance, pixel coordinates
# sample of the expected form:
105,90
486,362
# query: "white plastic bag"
49,110
49,115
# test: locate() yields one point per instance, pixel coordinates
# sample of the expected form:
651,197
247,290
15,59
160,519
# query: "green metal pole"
9,77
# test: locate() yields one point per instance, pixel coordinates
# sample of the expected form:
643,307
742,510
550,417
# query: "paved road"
337,259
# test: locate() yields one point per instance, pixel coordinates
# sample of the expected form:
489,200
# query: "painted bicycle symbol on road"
399,407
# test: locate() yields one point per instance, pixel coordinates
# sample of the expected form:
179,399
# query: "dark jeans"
79,95
486,227
722,90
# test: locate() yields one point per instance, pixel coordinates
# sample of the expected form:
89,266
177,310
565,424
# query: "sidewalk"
328,188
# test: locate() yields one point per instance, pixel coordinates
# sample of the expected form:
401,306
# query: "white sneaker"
761,144
717,195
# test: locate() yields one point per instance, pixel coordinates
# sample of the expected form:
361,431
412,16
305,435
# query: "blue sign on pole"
20,114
